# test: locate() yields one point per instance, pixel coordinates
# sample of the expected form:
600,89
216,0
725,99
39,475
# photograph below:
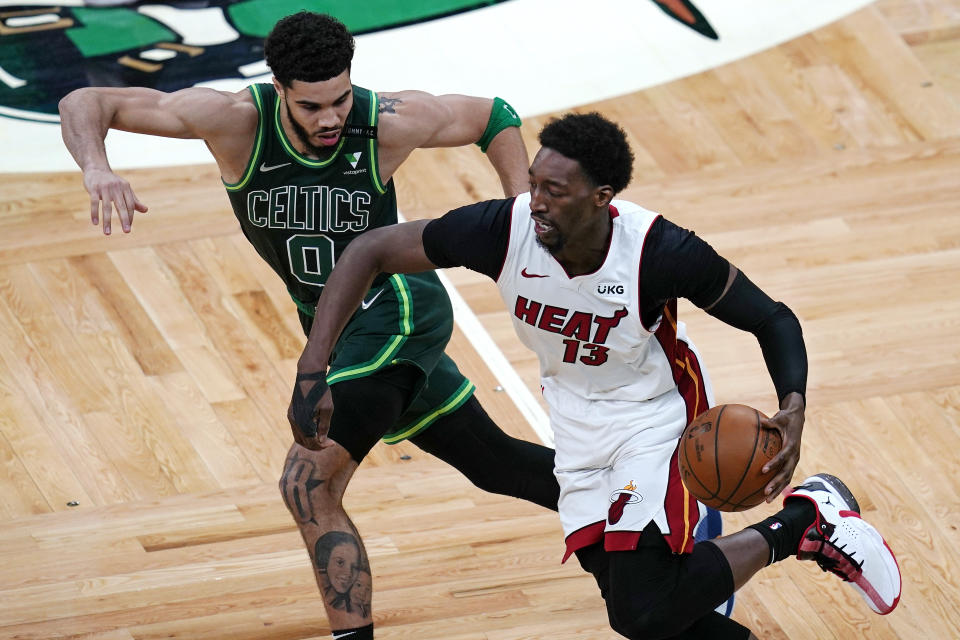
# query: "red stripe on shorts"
584,537
681,508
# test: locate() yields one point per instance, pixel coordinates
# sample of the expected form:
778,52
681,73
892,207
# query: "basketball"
722,453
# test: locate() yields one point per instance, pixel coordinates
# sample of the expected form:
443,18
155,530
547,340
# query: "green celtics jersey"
300,213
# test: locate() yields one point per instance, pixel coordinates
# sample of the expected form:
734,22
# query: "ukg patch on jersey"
611,289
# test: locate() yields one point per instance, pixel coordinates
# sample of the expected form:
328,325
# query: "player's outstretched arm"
745,306
393,249
87,114
414,119
676,263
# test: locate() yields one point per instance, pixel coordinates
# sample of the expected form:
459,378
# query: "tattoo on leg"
296,483
345,575
361,595
386,105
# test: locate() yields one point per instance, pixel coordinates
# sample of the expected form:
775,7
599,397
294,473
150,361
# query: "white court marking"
11,80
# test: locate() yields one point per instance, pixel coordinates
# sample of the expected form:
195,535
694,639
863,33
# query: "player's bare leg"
312,485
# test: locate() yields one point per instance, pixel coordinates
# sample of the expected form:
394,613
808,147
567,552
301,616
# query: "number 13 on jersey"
593,354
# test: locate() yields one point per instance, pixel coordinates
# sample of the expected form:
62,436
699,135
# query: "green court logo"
49,49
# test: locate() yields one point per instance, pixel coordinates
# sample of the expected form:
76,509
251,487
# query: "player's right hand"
789,423
311,407
109,191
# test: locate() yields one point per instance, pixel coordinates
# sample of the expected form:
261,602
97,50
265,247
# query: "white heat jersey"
586,330
619,393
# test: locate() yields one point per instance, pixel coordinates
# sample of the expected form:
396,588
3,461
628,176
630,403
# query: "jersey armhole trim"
257,144
643,247
374,155
509,239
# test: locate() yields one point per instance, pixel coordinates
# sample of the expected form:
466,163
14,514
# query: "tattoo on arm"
386,105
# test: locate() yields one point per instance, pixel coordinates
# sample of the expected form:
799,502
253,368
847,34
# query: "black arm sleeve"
475,236
777,330
677,264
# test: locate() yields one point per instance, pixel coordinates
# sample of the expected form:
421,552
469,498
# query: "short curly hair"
309,47
597,144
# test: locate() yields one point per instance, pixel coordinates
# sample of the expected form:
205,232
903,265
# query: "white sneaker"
843,543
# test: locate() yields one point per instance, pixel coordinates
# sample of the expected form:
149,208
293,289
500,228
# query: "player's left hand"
788,422
109,191
310,410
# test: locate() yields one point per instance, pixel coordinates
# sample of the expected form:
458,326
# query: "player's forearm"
745,306
508,155
342,294
84,122
394,249
785,354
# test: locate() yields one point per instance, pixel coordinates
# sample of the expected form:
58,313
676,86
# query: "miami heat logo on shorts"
620,499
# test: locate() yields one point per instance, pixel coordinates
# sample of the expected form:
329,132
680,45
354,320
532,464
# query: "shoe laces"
839,562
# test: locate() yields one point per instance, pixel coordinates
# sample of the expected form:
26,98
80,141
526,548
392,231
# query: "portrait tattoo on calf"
344,572
361,594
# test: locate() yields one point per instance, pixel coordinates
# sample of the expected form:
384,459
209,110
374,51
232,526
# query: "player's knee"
494,462
648,624
308,484
490,480
644,618
506,480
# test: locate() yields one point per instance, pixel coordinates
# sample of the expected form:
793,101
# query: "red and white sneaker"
841,542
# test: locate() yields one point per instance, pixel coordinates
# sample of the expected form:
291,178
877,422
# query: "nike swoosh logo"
366,303
531,275
264,168
337,636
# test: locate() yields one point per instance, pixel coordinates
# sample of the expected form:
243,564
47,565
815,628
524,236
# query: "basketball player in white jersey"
592,283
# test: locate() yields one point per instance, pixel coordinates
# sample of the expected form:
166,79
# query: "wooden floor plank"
19,494
126,316
216,445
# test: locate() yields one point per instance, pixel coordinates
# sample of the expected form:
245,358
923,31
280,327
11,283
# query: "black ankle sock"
783,530
360,633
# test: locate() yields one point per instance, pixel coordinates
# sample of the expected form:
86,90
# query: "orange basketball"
721,454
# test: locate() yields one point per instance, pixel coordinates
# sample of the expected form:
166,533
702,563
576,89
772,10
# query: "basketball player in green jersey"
307,163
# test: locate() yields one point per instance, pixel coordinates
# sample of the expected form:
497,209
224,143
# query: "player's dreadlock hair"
309,47
600,146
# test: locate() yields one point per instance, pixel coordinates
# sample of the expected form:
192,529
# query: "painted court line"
498,364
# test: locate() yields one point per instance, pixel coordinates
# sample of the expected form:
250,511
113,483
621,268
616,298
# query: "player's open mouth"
328,138
541,227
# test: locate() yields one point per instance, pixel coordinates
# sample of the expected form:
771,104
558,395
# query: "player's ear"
277,86
602,196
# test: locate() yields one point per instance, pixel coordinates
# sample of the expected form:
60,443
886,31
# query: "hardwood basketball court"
146,377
